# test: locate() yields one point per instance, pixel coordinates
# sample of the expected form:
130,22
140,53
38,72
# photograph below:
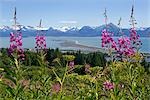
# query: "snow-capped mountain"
26,28
73,31
4,28
63,29
67,28
141,28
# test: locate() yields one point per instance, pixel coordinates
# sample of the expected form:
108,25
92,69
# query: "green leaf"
10,90
69,57
1,69
19,89
9,71
10,78
58,79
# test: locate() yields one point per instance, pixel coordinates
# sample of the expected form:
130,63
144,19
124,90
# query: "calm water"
54,42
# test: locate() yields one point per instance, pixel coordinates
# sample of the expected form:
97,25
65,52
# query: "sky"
74,13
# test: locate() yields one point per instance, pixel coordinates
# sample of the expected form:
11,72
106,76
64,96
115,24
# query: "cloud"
68,22
11,20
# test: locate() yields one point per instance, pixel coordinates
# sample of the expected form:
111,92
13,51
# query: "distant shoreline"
68,36
90,49
81,46
72,43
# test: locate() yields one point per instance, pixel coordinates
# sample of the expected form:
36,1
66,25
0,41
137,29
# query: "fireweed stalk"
15,48
41,46
108,42
69,67
17,52
40,38
124,47
106,37
134,37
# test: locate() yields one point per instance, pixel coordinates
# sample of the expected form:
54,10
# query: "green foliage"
31,59
98,60
23,81
68,57
80,58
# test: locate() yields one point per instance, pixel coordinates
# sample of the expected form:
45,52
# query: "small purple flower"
87,68
56,87
71,66
108,85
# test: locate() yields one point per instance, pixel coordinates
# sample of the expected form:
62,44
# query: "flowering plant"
16,45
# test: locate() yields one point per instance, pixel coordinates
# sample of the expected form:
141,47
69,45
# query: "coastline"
82,47
73,43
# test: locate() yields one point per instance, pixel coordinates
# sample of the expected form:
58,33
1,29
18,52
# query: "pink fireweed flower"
125,47
12,37
108,85
40,41
16,45
107,40
135,39
114,45
71,66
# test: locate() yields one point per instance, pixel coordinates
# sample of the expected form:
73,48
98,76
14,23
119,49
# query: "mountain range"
85,31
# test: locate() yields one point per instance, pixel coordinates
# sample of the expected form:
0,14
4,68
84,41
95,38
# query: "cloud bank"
68,22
